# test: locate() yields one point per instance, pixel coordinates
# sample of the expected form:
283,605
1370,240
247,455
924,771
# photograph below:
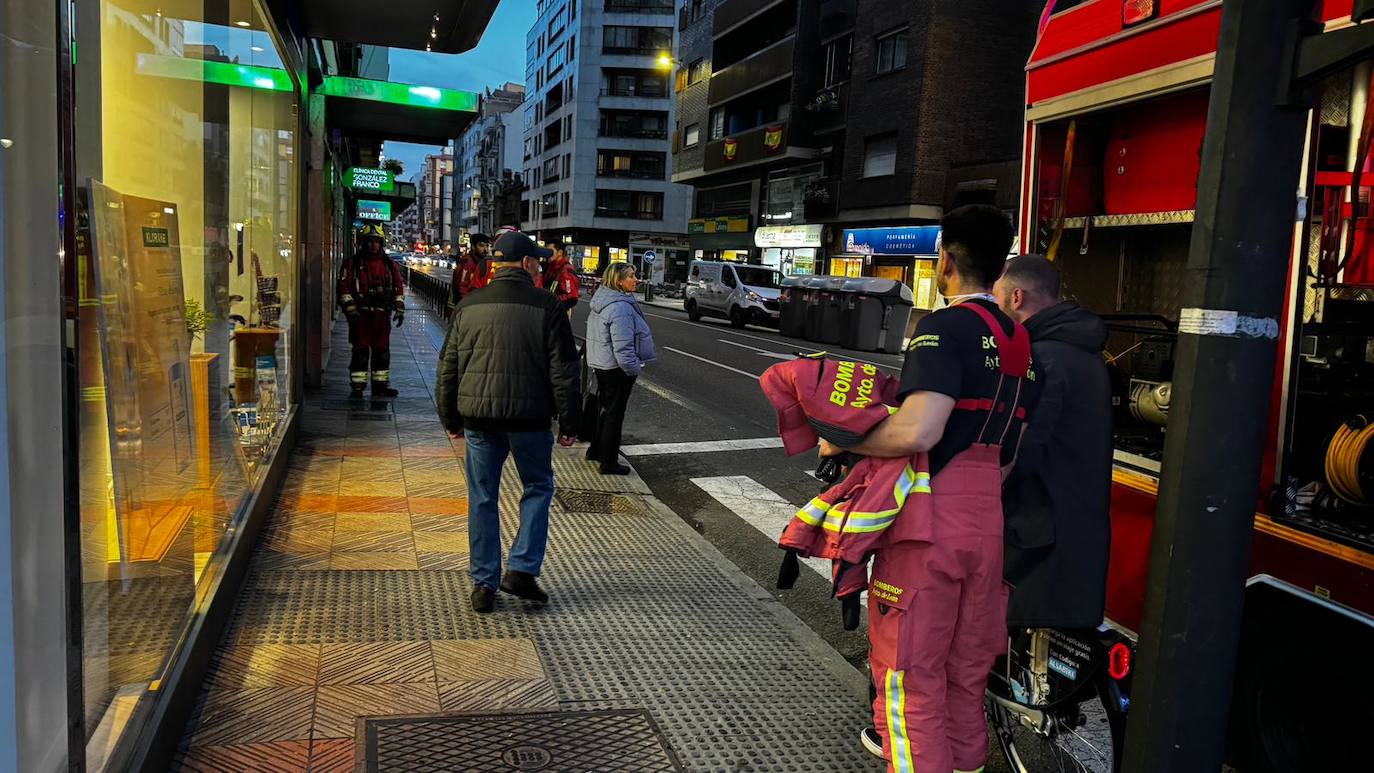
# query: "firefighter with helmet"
372,295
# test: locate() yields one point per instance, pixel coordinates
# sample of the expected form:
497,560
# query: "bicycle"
1058,700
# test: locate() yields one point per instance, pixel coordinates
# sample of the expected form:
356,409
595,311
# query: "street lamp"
666,61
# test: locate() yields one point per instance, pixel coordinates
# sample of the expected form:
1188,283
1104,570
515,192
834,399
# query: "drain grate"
585,501
603,741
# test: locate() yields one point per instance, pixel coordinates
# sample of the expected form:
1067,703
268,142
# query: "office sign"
736,224
789,236
374,210
896,240
361,178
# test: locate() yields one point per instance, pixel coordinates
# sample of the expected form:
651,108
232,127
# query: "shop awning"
444,26
382,110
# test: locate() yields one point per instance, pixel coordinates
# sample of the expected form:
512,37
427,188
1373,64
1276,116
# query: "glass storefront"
188,132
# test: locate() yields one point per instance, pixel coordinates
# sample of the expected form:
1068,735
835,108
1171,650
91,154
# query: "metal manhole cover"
585,501
555,742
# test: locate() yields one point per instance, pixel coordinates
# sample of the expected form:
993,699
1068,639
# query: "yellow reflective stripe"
978,769
381,375
899,742
813,513
358,377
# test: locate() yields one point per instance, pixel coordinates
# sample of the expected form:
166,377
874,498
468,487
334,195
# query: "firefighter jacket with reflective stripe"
561,280
371,283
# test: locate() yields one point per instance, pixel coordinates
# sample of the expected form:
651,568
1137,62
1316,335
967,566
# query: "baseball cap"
514,246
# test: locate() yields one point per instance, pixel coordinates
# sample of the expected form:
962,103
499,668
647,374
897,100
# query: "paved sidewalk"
356,605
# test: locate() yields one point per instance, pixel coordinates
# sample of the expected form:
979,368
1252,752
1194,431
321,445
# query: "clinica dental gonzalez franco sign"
374,210
361,178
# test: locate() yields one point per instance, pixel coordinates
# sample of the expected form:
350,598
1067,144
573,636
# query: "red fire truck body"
1117,97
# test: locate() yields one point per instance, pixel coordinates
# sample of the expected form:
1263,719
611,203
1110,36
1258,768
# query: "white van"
742,293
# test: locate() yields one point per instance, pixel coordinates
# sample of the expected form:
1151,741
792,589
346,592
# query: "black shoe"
382,390
872,742
591,454
523,585
615,469
483,599
355,393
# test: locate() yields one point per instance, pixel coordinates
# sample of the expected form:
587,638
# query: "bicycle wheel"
1077,739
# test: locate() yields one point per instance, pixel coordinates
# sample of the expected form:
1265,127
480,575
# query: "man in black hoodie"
1058,496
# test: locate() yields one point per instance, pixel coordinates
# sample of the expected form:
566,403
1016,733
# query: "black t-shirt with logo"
953,353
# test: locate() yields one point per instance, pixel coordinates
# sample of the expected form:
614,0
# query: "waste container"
824,310
875,314
792,312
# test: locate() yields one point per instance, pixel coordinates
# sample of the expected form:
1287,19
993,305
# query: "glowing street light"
666,61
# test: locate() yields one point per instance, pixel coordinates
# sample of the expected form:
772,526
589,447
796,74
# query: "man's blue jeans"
486,455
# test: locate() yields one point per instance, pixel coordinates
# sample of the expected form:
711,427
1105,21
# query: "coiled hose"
1343,459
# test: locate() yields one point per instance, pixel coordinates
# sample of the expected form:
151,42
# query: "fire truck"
1117,95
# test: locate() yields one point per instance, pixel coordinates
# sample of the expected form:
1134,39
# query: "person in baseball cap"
509,372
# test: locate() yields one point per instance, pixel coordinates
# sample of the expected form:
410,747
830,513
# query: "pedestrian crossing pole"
1238,261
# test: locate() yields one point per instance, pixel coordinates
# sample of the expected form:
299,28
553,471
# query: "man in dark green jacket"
508,369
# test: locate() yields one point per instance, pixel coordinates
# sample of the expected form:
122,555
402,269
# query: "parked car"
739,292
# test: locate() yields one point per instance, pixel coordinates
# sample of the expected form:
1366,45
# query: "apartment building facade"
487,161
597,125
826,136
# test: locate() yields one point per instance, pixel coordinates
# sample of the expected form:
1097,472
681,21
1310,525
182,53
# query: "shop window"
186,294
880,155
691,135
891,52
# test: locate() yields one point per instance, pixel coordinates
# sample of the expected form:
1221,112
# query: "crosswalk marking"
701,447
759,506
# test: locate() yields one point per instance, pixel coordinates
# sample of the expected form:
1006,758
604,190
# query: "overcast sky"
498,58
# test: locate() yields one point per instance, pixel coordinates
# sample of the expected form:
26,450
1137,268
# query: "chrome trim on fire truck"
1133,219
1306,595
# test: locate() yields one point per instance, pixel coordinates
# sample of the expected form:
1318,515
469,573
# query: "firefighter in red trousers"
372,294
473,272
937,604
560,278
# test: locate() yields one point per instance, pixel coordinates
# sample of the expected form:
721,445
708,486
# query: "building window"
636,83
691,135
551,170
696,71
636,40
643,124
634,205
567,165
837,54
644,165
880,155
891,52
717,123
566,210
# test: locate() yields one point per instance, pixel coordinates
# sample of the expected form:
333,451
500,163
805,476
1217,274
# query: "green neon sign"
361,178
399,93
248,76
374,210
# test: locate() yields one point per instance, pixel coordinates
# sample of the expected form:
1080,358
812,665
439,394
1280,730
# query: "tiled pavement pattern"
356,604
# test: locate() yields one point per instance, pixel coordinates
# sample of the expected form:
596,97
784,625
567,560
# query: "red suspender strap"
1014,351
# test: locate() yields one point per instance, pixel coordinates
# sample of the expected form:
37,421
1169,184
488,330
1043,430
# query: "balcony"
749,146
732,12
623,132
767,66
829,108
639,6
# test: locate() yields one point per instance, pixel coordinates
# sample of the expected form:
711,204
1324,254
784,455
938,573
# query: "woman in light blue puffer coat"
619,344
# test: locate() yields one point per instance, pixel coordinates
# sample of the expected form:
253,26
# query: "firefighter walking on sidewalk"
372,294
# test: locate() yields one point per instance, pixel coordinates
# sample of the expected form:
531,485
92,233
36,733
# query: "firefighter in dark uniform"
372,295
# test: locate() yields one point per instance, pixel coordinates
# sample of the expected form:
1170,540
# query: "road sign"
650,256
